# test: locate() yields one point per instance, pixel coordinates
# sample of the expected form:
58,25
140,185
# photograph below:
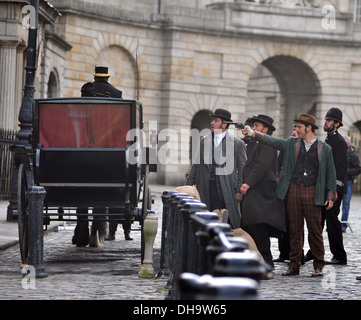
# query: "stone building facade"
185,59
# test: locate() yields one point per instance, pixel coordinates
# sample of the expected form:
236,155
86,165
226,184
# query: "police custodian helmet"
334,114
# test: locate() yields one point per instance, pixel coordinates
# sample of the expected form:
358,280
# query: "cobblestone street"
338,282
111,271
107,272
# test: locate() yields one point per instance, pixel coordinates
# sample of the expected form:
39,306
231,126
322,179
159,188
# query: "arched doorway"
201,120
282,87
121,69
53,87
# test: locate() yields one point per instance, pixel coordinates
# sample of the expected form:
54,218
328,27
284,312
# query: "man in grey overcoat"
217,168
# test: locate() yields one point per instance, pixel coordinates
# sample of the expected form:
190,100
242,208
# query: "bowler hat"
334,114
249,122
266,120
223,114
307,120
101,72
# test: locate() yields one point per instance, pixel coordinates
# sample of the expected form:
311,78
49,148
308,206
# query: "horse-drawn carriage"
83,152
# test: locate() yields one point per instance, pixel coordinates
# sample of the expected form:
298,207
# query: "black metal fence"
201,257
7,138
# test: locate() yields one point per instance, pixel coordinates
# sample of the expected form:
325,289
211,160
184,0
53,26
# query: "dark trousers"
284,240
334,229
216,199
113,224
301,207
261,235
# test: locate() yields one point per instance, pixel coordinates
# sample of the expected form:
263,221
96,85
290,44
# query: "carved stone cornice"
289,3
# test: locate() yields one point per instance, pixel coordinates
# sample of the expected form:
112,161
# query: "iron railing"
7,138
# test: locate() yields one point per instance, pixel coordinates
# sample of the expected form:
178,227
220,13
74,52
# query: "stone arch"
350,116
199,102
122,69
201,120
129,44
53,85
296,89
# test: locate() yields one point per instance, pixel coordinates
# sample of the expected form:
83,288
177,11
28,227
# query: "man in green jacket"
309,177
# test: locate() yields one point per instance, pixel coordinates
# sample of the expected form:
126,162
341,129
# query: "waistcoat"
306,168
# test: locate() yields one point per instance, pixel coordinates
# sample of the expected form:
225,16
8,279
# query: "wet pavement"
111,270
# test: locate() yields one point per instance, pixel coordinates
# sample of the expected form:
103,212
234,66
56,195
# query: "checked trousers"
300,207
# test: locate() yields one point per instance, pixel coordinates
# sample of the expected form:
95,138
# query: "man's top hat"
266,120
101,72
223,114
334,114
307,120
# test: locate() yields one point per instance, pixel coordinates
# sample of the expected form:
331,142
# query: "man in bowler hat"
262,212
217,169
307,168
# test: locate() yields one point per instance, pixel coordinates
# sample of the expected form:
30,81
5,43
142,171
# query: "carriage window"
84,125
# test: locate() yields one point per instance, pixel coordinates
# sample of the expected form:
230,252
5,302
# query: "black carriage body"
81,151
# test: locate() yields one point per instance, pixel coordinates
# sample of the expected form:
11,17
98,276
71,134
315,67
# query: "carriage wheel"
23,213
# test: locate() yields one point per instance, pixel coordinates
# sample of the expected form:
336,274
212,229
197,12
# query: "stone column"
20,79
7,84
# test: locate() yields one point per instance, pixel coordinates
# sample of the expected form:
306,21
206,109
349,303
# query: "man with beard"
217,169
333,121
307,168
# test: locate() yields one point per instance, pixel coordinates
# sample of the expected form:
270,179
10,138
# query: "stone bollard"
150,231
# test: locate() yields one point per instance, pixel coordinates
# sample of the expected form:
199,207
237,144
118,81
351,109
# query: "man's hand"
329,204
247,131
239,197
244,188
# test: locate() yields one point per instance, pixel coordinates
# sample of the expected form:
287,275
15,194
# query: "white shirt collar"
218,138
308,146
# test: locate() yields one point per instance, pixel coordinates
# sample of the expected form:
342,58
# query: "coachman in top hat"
100,87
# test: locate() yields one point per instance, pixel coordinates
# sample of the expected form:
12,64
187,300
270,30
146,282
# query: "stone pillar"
7,84
150,231
20,79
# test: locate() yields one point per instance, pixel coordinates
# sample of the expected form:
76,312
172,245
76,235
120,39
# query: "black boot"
126,228
112,229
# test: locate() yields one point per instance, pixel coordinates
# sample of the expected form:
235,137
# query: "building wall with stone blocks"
194,56
201,56
14,24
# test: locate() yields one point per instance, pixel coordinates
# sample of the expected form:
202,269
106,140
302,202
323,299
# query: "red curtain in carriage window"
83,126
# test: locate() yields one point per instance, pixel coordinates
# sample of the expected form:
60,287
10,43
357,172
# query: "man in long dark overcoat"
262,212
217,169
